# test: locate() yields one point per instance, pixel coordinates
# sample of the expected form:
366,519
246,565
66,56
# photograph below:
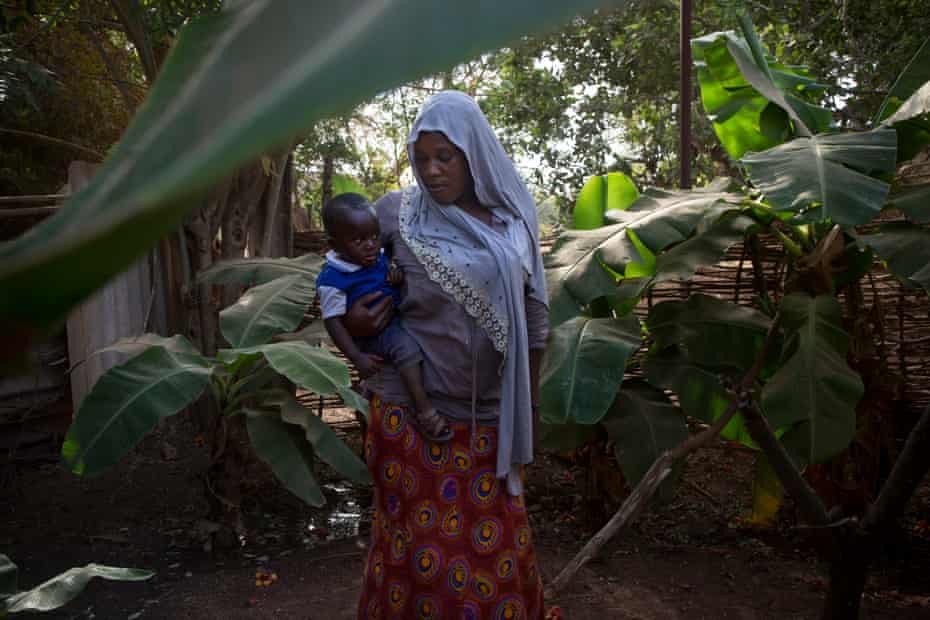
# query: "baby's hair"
336,208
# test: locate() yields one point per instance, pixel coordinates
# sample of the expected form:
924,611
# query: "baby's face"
358,239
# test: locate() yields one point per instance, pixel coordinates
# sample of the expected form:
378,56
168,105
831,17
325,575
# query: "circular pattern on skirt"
427,607
484,586
427,561
457,576
425,514
452,522
471,611
408,482
461,460
509,608
482,444
391,471
484,487
449,489
397,595
393,422
435,456
505,566
487,534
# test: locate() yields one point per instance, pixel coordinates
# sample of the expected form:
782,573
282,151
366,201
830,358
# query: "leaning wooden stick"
660,470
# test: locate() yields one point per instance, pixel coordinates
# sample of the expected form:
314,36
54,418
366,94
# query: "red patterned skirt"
447,541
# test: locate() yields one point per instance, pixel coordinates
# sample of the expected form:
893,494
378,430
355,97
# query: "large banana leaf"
915,75
698,390
643,424
913,132
827,174
312,368
659,219
914,202
584,366
905,248
916,105
59,590
251,271
715,333
265,310
768,494
326,443
751,105
565,437
704,248
127,402
238,84
814,388
137,344
600,194
284,447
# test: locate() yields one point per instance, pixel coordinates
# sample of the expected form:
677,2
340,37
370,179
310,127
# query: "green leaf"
917,104
643,424
268,309
914,202
218,103
715,333
751,105
565,437
827,172
251,271
343,183
704,248
905,248
136,344
698,390
326,443
284,447
312,368
609,192
9,583
127,402
915,75
62,588
814,388
658,219
584,366
354,400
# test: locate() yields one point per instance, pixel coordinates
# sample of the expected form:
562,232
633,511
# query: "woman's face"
443,169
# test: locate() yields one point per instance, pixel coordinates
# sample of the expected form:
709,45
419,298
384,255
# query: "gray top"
446,333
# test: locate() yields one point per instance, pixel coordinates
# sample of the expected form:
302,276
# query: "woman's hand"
362,321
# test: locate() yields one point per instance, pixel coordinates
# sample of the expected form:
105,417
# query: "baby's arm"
395,275
366,363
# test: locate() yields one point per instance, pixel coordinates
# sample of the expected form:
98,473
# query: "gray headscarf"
487,272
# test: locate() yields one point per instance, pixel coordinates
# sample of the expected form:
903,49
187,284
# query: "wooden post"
684,114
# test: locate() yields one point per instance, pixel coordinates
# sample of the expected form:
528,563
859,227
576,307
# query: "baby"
357,266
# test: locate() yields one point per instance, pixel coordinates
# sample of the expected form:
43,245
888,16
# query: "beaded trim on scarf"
476,302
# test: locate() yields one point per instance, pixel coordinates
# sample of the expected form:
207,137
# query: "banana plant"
57,591
799,183
165,375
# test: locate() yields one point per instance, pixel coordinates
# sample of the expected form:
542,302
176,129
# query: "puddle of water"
340,519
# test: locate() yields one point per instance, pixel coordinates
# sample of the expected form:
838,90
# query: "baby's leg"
402,350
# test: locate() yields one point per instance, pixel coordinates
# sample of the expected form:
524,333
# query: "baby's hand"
368,365
395,275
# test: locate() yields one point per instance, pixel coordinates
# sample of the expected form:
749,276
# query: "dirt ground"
684,558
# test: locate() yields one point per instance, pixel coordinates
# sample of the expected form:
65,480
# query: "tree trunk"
326,181
849,569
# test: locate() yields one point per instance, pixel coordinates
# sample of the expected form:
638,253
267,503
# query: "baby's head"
352,228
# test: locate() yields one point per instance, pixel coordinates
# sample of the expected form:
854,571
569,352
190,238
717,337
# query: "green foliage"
643,423
600,194
168,374
205,117
754,104
583,367
814,388
827,176
59,590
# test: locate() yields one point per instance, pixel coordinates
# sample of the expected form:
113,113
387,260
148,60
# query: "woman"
450,537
